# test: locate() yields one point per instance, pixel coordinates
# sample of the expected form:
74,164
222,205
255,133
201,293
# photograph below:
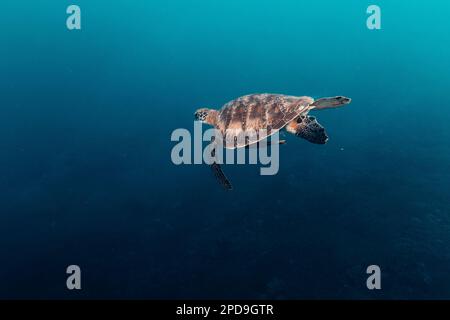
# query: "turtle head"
206,115
201,114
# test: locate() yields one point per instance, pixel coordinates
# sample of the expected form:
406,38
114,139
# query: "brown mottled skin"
256,116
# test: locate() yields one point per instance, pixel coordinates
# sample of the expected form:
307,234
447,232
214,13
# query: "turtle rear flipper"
308,128
334,102
217,170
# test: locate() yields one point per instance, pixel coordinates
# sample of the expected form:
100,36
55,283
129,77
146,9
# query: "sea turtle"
252,118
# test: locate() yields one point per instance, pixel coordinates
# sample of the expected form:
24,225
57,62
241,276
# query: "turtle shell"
252,118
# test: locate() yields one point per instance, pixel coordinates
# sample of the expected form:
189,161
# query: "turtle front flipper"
308,128
218,172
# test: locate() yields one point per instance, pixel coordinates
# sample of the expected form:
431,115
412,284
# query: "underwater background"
86,176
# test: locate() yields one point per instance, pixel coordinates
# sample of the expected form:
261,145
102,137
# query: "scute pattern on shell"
249,119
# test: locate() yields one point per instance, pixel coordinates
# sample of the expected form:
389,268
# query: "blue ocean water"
86,176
